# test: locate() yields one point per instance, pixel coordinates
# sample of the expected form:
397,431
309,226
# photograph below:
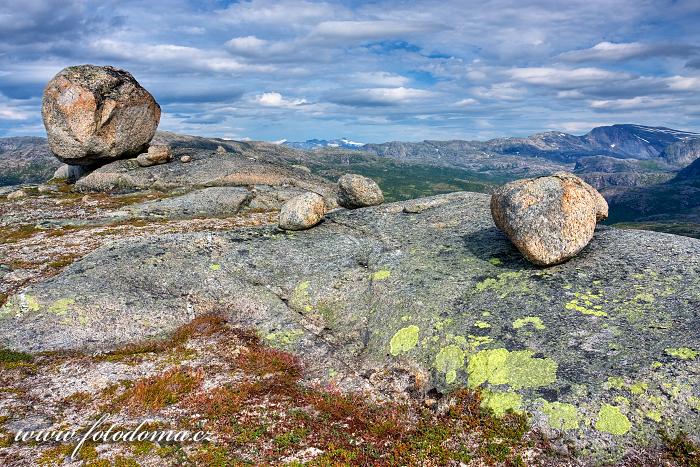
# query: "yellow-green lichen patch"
20,304
561,416
615,382
638,388
215,267
283,338
300,299
404,340
587,304
684,353
535,321
61,306
612,420
482,324
517,369
505,284
477,341
31,302
381,275
495,261
448,361
654,415
501,402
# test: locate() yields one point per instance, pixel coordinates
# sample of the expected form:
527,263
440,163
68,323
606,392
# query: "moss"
404,340
501,402
9,356
684,353
448,361
517,369
535,321
561,416
381,275
612,420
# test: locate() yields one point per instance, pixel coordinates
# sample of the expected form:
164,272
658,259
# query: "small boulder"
186,159
17,194
356,191
70,173
95,114
302,212
155,155
549,219
221,150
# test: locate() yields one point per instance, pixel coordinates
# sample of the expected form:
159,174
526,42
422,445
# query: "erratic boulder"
356,191
95,114
302,212
549,219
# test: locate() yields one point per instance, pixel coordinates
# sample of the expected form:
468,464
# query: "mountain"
311,144
682,153
621,141
25,159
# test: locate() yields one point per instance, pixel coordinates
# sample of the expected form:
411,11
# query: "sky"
369,71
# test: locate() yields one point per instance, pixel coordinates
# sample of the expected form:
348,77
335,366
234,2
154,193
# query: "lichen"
505,284
495,261
535,321
561,416
585,303
381,275
300,299
501,402
517,369
482,324
284,338
61,306
448,361
684,353
612,420
404,340
215,267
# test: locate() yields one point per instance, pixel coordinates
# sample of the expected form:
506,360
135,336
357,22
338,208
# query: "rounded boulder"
302,212
95,114
549,219
356,191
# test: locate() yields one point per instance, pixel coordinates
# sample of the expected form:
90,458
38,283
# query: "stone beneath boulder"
549,219
356,191
302,212
602,350
17,194
96,114
211,202
186,159
70,173
156,154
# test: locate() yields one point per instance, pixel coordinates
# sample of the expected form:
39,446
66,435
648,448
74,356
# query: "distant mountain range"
311,144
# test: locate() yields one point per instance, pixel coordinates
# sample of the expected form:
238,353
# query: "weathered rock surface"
209,202
602,349
17,194
549,219
70,173
356,191
302,212
156,154
97,114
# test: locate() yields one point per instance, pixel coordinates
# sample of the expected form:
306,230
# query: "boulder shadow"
492,245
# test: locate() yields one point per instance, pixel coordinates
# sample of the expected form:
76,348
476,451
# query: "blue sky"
370,71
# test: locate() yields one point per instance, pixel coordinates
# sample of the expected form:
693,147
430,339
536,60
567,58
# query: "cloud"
380,96
275,99
380,78
466,102
565,78
369,30
634,103
288,13
613,52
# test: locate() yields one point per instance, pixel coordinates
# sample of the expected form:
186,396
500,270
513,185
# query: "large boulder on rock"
549,219
302,212
356,191
95,114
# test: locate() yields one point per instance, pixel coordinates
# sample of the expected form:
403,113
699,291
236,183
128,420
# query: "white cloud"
366,30
564,77
634,103
380,96
611,52
683,83
380,78
275,99
288,13
466,102
500,91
